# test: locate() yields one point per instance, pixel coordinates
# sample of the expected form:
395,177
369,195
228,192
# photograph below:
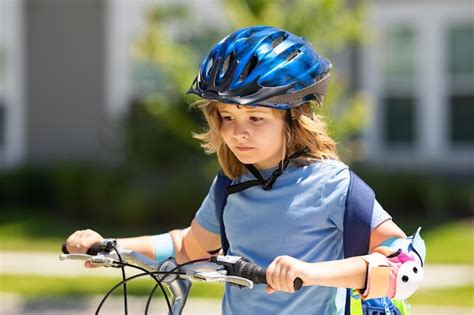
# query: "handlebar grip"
258,274
297,283
93,250
64,249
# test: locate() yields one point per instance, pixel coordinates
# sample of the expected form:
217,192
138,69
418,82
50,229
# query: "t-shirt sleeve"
379,215
206,215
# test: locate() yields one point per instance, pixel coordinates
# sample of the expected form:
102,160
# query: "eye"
255,119
226,118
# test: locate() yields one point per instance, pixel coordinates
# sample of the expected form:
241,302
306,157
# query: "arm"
344,273
193,242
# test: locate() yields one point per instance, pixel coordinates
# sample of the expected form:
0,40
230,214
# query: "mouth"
243,148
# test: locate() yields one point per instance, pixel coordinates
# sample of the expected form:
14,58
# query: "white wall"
11,37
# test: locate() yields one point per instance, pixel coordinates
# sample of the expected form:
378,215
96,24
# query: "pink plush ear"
400,258
405,256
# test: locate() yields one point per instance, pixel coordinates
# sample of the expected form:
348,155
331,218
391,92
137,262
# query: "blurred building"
66,77
418,67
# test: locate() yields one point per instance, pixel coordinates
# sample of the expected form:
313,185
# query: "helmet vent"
277,41
292,55
227,62
209,66
248,68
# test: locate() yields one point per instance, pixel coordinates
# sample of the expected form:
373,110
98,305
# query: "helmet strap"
289,119
267,184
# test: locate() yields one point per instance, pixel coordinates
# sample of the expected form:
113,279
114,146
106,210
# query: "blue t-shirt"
301,216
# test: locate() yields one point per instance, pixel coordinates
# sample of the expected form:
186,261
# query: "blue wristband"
164,247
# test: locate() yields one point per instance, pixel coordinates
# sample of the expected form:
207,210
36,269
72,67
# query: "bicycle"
177,278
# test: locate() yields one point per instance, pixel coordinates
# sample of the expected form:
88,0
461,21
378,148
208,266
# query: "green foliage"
414,197
328,24
117,196
455,296
153,139
450,243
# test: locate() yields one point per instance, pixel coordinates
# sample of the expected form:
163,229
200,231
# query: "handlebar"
235,270
235,265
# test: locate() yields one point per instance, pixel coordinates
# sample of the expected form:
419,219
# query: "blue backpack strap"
357,218
220,198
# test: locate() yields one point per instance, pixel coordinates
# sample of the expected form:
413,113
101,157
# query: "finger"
86,239
269,290
88,264
72,236
72,242
277,277
81,242
290,278
284,277
269,274
89,240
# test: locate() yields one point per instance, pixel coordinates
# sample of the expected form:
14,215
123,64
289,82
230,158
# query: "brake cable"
145,273
125,304
172,271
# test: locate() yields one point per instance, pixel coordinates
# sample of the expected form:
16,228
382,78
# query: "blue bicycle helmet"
263,66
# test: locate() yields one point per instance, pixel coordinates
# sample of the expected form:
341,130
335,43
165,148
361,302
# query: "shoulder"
335,177
329,170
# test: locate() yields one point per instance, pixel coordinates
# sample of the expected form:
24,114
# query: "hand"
80,241
282,272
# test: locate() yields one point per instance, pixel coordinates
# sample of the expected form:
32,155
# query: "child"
286,203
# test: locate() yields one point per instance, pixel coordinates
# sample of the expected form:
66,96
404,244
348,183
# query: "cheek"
272,138
225,133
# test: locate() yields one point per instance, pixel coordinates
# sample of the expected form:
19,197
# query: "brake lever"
63,257
220,276
99,260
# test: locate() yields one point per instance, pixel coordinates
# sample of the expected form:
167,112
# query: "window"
398,101
400,120
399,57
461,50
461,77
462,114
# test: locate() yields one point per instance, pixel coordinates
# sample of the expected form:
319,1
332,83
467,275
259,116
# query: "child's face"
253,134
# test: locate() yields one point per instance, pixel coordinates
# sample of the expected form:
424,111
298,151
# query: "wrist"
163,246
309,273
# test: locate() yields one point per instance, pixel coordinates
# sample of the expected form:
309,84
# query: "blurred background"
95,129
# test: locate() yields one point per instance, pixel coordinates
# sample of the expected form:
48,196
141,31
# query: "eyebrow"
248,109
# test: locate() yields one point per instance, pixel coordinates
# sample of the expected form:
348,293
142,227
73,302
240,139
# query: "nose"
240,131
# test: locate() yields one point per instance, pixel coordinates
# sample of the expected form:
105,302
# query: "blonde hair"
307,130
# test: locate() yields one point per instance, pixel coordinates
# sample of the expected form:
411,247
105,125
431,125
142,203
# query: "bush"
94,193
424,196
